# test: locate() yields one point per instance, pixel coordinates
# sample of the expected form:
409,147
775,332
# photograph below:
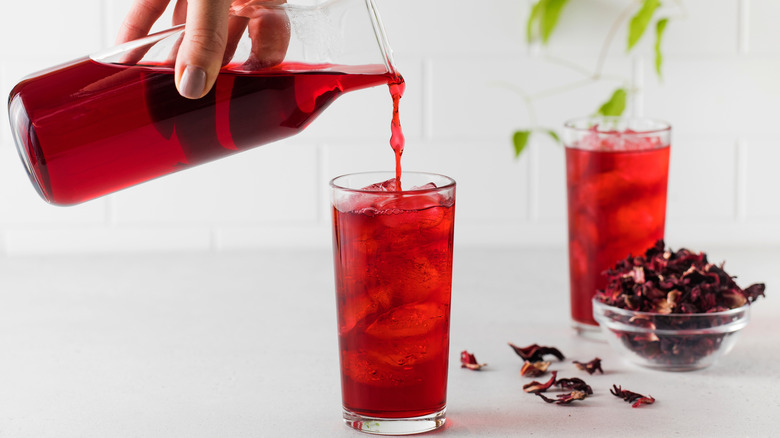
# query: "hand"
211,35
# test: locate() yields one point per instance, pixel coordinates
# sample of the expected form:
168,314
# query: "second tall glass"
616,178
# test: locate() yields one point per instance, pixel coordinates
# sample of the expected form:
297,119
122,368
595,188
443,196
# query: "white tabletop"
244,345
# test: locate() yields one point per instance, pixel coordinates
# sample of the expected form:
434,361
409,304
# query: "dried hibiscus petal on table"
590,367
536,387
564,399
536,353
636,399
574,384
467,360
534,369
579,390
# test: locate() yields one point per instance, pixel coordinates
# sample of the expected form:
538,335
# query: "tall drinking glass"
393,269
616,177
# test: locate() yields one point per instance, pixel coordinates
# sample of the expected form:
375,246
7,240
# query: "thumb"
203,47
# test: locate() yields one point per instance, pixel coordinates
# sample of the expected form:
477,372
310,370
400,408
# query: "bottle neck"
381,38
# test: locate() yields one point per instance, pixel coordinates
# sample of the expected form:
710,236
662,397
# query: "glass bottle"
114,119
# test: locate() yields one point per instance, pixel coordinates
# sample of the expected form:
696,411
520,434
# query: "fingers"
236,28
179,13
210,38
270,35
203,47
140,18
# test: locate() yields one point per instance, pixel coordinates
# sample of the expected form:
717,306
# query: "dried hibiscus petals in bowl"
672,310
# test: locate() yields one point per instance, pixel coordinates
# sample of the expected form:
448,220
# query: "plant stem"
568,64
562,88
527,99
602,59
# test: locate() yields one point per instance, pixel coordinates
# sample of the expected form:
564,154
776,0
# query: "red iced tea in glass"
616,180
393,270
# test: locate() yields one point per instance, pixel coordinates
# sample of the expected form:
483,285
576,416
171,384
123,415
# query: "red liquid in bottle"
616,207
393,267
89,129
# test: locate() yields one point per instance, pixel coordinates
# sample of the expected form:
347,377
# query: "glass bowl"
670,342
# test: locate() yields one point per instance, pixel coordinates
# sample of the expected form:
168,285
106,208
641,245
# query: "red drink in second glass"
616,181
393,270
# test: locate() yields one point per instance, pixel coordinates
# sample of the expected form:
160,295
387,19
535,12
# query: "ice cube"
637,219
367,367
405,353
431,217
396,341
410,202
409,320
384,186
428,186
397,203
365,203
626,140
358,306
635,142
605,188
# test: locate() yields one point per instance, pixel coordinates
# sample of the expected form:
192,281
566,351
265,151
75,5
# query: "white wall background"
721,92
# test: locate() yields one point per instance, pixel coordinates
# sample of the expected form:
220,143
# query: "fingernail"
192,83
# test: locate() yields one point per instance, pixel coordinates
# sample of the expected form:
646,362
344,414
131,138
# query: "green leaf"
520,140
615,105
532,26
550,15
554,135
660,26
639,22
543,19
